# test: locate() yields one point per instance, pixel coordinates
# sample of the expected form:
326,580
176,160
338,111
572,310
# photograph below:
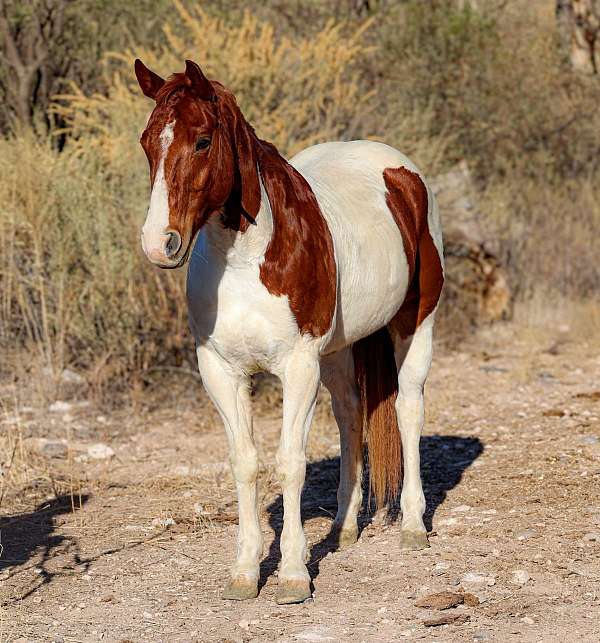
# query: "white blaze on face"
154,237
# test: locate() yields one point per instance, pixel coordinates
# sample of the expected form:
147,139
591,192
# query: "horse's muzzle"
165,252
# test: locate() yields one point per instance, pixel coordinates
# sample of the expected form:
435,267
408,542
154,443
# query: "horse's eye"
202,143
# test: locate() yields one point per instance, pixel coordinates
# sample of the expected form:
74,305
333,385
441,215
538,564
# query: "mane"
173,84
179,83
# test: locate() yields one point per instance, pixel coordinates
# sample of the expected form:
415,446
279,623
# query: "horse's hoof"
413,540
347,537
241,589
293,591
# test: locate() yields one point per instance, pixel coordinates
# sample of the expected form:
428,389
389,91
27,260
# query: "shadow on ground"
443,461
31,538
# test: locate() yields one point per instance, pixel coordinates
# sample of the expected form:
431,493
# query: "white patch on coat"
154,237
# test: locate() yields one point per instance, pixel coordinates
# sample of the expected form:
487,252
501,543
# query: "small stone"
470,599
53,448
527,620
148,616
439,568
163,522
100,451
526,534
107,598
199,509
446,619
462,508
475,578
481,635
520,577
589,439
440,600
592,537
60,407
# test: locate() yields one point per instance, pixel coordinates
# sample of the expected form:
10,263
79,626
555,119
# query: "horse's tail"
377,380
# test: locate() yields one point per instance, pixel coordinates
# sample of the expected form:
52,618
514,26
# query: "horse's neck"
237,248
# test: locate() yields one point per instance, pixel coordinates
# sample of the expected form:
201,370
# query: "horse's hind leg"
413,357
337,374
229,391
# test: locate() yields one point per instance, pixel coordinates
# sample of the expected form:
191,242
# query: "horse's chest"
231,309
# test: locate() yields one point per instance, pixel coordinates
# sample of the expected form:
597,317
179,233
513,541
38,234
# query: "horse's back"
373,270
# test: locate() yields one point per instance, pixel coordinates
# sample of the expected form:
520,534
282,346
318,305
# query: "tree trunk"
578,24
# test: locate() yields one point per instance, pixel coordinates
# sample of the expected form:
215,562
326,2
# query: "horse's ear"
200,84
149,82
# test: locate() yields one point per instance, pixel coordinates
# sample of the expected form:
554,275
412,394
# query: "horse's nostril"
173,244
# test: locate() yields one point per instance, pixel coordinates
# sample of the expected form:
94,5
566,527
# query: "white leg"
414,359
337,373
229,390
300,380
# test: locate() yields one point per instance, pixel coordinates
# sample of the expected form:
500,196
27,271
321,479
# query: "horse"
324,268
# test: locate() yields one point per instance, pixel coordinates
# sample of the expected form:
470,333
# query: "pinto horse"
325,268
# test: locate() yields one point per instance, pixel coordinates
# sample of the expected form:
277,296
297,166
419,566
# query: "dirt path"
511,465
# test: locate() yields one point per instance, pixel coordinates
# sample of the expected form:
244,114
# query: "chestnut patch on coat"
407,200
299,260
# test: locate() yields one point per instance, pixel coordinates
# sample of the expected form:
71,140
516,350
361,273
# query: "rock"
592,537
455,618
317,633
462,509
440,601
53,448
520,577
470,599
163,522
100,451
526,534
481,635
528,620
589,439
199,509
60,407
475,578
440,568
476,287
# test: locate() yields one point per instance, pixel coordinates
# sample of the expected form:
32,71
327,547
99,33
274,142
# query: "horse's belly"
372,278
347,179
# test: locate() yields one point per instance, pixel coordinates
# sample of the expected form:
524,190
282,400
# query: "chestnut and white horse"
327,268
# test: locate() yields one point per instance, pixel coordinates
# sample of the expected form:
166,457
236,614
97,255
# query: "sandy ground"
137,546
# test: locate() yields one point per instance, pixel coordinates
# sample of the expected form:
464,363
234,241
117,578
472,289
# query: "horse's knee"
291,468
245,466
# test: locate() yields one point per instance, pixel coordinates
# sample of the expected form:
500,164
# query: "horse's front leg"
300,380
228,388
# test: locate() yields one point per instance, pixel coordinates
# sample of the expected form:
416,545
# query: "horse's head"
203,161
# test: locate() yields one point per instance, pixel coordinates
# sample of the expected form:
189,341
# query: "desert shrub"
492,84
